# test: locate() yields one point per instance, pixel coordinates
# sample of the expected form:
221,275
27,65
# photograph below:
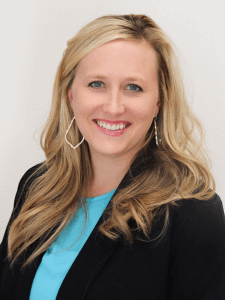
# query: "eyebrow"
132,78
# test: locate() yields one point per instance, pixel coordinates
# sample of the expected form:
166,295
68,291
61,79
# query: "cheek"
145,113
80,103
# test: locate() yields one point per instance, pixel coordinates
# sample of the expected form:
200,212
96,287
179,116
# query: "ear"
70,95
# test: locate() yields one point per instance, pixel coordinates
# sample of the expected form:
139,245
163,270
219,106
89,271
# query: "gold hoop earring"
74,147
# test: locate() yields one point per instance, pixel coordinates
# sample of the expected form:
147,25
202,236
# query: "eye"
135,86
96,84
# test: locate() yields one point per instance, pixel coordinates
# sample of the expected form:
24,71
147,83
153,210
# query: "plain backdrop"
34,34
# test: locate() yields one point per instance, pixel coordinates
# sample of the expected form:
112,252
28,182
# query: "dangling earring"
156,135
74,147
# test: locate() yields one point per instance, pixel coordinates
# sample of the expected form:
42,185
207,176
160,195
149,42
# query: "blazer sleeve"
197,270
18,202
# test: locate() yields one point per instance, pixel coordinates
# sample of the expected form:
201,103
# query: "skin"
115,98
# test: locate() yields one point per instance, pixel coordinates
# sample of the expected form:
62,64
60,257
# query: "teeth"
109,127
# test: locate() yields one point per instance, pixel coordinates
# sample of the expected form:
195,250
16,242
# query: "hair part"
179,168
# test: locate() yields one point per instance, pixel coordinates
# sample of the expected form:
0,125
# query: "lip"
113,122
111,132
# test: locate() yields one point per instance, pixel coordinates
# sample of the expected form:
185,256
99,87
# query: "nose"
114,103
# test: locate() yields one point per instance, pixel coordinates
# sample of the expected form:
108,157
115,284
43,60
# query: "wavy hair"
180,167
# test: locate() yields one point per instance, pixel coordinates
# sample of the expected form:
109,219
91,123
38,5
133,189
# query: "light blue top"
54,266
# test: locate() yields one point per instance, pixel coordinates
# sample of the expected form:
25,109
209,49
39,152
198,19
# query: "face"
116,84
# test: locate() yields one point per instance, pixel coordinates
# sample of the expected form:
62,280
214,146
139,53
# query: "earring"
156,135
74,147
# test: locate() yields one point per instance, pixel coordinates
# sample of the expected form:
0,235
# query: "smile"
111,127
111,130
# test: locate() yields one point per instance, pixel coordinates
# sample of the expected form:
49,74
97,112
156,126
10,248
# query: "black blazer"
187,264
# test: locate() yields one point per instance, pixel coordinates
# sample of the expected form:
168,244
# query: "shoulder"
28,173
198,211
198,224
28,177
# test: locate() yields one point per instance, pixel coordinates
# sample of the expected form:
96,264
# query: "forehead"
118,57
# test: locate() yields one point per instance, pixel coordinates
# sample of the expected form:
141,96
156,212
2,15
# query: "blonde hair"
180,167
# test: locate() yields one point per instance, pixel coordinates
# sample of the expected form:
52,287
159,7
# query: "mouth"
112,130
112,125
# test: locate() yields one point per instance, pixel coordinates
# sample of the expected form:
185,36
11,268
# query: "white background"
33,37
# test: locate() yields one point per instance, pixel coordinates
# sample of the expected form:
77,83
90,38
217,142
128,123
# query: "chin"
107,151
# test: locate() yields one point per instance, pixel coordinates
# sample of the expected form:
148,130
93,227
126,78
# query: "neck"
108,173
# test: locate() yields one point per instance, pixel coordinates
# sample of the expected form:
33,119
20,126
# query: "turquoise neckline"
101,197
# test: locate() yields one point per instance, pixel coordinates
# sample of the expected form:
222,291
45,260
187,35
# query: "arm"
197,269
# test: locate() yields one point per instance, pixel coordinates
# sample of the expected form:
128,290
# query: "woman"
124,206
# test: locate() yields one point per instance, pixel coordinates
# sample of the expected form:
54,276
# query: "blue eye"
94,82
136,86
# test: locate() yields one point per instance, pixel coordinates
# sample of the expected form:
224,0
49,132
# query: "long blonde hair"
180,167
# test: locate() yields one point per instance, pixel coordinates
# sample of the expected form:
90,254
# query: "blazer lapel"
26,278
89,262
